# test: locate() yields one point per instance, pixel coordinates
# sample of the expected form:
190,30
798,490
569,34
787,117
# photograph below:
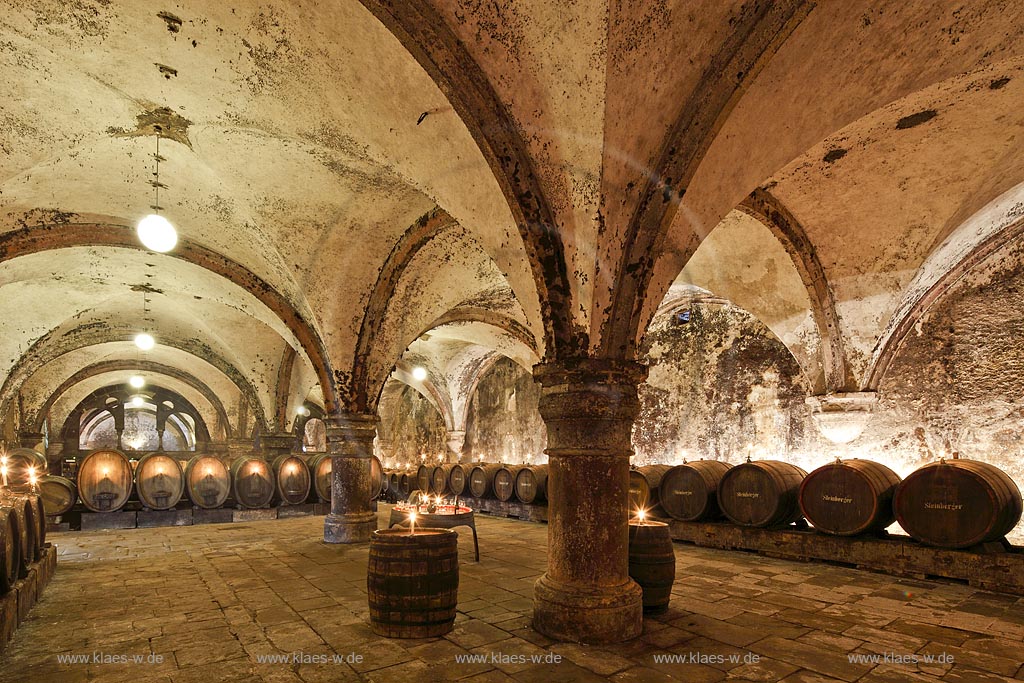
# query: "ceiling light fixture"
137,381
419,373
137,401
303,411
145,341
155,231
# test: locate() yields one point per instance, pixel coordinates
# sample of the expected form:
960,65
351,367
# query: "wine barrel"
439,479
457,480
505,482
159,481
376,477
252,482
532,484
423,477
59,495
957,503
10,548
849,497
23,467
689,492
207,481
653,474
385,482
34,528
320,468
39,514
481,480
412,582
652,563
395,483
762,493
639,493
28,529
292,478
408,483
105,480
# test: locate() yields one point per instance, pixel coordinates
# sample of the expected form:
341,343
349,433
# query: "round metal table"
447,517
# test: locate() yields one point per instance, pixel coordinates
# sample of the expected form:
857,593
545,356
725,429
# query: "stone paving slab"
215,602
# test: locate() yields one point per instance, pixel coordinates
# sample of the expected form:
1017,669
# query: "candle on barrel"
3,469
641,515
412,523
32,479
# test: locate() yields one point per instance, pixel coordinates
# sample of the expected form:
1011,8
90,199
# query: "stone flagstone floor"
211,603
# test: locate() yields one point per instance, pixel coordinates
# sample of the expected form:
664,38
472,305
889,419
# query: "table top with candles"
421,511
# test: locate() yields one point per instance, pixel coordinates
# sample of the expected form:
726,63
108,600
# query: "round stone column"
586,595
350,443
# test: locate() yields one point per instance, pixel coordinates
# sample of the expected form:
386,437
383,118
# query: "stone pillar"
278,444
31,440
456,440
350,443
586,595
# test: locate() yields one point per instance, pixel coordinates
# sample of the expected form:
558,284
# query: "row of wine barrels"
24,527
10,547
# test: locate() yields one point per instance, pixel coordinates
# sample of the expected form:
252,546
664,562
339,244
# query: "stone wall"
503,423
410,427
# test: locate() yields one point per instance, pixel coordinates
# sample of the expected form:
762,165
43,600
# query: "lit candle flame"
106,471
641,514
209,471
412,523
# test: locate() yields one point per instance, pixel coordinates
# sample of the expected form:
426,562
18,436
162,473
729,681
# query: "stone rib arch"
35,358
44,237
423,32
764,206
39,415
757,35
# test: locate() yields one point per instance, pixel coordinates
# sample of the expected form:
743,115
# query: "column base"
580,615
350,528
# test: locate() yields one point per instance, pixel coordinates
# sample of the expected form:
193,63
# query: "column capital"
351,434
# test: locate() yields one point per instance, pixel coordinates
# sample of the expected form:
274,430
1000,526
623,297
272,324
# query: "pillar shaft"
456,440
350,443
586,595
278,444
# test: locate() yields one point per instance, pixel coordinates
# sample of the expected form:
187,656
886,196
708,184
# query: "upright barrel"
439,479
23,467
252,482
532,484
59,495
481,480
958,503
689,492
505,482
105,480
849,497
762,493
10,547
292,479
207,481
457,480
159,481
412,582
652,563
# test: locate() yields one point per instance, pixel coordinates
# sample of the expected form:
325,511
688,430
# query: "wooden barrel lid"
849,497
207,481
252,482
159,481
105,480
293,479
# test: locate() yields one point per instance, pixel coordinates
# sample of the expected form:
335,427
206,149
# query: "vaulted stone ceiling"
348,176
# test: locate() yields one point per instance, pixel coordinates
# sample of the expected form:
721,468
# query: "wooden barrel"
28,529
653,474
423,477
481,480
849,497
412,582
207,481
958,503
292,479
10,548
408,483
39,513
59,495
505,482
762,493
439,479
385,482
532,484
376,477
320,468
639,493
652,563
159,481
395,483
23,467
689,492
457,479
105,480
252,482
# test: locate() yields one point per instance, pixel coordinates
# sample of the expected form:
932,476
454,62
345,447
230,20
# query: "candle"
412,523
640,515
32,477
